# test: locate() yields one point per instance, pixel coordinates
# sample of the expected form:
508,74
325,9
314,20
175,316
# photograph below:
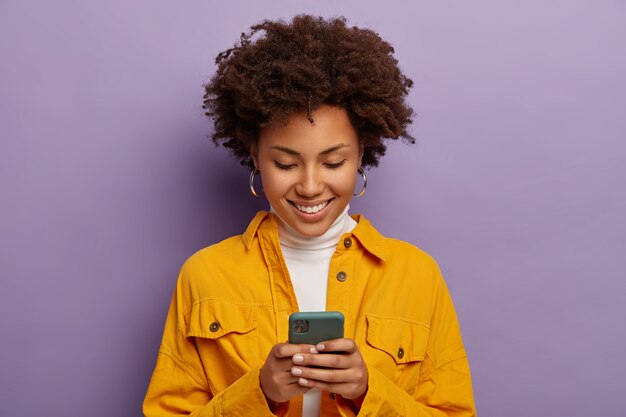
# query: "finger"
286,377
346,389
328,360
297,389
329,375
337,345
287,350
281,387
286,392
349,390
294,388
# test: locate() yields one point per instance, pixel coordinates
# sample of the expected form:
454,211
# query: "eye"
334,165
283,166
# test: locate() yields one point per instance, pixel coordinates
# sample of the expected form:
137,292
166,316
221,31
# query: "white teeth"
311,210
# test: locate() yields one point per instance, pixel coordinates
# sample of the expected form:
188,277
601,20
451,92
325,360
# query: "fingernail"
296,371
303,381
298,358
313,350
320,346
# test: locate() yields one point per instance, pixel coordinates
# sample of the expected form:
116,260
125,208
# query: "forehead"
331,126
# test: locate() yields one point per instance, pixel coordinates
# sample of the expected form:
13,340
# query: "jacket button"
347,242
341,276
400,352
332,395
215,326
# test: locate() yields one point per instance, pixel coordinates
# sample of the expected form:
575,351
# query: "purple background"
108,182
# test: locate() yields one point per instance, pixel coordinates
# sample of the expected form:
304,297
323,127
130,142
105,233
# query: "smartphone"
315,326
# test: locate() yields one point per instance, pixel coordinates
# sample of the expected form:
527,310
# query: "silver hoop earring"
360,193
254,192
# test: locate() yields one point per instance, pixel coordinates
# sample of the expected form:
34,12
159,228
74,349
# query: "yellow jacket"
232,302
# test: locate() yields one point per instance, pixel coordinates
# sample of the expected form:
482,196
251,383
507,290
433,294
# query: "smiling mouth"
311,209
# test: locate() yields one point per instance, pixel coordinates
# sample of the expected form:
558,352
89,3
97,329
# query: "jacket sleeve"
444,388
179,384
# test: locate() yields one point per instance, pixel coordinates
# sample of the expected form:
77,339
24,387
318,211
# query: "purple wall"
108,182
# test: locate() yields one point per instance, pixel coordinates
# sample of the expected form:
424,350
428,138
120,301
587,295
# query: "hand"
341,369
277,382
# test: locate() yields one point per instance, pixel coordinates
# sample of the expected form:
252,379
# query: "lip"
310,203
311,217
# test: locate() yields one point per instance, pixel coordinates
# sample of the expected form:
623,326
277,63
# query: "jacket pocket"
212,319
226,338
404,341
396,347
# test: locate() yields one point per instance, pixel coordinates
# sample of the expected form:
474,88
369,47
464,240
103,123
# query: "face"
309,170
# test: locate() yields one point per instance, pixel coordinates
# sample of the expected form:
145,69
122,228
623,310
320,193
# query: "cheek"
344,183
275,186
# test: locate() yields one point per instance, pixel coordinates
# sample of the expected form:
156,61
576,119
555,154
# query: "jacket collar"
367,235
253,227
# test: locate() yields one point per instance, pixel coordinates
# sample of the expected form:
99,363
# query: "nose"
310,183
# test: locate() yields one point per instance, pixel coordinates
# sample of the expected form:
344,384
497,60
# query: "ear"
254,153
361,151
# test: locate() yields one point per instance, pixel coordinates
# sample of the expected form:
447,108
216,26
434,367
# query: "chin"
311,230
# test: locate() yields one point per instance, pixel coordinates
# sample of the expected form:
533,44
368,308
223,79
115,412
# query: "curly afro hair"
281,68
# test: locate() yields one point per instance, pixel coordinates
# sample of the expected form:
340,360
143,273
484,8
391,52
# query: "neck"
290,238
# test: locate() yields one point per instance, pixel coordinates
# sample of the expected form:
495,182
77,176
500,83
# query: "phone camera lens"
301,326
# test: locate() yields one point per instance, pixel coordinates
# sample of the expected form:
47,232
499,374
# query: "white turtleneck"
308,262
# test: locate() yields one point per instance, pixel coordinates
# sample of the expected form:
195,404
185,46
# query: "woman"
306,105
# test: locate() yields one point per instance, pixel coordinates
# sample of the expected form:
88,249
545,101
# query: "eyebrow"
296,153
